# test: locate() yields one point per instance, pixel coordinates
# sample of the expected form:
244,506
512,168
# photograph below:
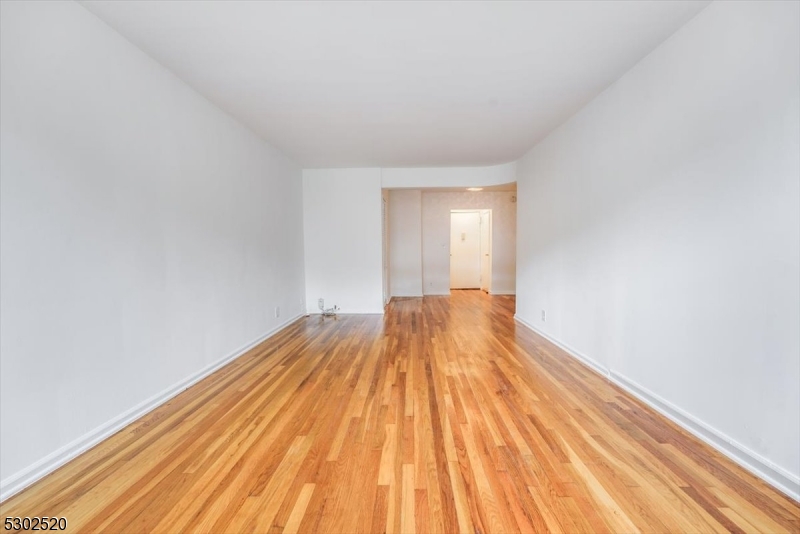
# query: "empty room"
400,267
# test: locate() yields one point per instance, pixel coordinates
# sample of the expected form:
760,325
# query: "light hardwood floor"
441,416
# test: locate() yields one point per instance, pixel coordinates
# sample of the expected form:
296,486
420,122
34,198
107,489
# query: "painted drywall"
405,242
659,229
144,234
387,279
423,177
343,242
436,208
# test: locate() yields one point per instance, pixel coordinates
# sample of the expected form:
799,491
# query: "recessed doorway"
470,249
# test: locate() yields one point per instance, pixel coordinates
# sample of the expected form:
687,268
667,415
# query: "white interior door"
465,250
486,250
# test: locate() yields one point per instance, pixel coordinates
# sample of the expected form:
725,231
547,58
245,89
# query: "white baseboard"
502,292
750,460
27,476
437,294
586,360
763,468
340,312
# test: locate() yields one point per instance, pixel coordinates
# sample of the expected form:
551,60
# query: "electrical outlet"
277,311
544,317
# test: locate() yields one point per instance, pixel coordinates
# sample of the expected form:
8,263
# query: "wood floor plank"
441,416
299,510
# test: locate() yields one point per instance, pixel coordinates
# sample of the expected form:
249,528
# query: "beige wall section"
385,249
436,208
405,243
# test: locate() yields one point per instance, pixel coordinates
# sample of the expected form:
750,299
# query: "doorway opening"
471,249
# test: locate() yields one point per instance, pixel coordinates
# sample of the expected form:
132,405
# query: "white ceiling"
392,84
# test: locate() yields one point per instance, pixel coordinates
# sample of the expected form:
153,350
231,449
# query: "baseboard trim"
340,312
27,476
750,460
502,292
753,462
436,294
586,360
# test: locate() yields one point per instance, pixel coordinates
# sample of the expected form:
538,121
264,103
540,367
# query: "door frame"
486,250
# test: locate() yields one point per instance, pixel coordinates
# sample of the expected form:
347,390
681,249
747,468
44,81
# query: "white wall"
343,242
660,230
422,177
144,234
405,242
436,208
